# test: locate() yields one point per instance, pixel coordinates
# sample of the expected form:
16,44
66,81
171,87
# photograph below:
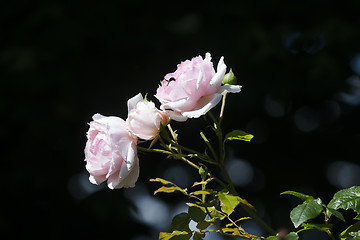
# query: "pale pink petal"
202,111
217,78
230,89
97,116
125,177
97,179
175,104
131,103
176,116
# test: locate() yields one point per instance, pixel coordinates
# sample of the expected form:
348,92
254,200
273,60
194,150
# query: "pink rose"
111,153
194,88
144,118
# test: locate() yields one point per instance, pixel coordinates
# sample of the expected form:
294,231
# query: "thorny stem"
248,210
187,161
231,187
173,134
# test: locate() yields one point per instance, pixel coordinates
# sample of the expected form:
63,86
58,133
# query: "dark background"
63,61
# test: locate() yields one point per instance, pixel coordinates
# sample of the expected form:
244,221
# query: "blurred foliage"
63,61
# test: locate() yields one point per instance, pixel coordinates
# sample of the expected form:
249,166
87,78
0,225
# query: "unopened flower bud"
229,78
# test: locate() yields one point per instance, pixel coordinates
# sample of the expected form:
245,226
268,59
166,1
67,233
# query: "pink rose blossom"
111,153
194,88
144,118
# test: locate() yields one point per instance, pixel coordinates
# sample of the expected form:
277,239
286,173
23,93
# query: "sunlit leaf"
232,231
202,182
166,189
238,135
242,219
346,199
204,192
175,235
302,196
228,202
160,180
305,211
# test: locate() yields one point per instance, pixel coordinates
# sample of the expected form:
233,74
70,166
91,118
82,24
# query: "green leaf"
202,182
203,225
166,189
180,223
179,235
238,135
353,228
231,231
346,199
305,211
292,236
272,238
196,214
319,227
198,236
336,213
228,202
302,196
355,235
204,192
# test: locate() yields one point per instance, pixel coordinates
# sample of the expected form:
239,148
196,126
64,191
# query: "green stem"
231,187
222,109
187,161
196,153
247,209
209,145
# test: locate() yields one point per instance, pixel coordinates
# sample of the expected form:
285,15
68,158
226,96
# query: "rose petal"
97,179
221,69
175,104
230,88
202,111
131,103
176,116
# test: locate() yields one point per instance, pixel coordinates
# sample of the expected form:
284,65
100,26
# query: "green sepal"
229,78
